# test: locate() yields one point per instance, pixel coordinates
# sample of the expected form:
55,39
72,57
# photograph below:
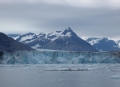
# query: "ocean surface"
60,75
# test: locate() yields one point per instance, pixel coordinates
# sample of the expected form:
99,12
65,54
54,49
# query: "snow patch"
94,41
36,46
15,38
58,34
84,38
118,44
26,37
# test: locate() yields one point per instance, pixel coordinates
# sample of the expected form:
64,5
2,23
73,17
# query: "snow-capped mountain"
11,45
33,40
58,40
26,38
103,44
60,34
67,40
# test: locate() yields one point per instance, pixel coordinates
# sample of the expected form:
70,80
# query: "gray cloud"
76,3
42,17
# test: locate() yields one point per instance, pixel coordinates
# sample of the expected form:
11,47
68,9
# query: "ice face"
57,57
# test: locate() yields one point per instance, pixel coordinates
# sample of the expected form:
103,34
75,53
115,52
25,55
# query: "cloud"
13,26
78,3
86,17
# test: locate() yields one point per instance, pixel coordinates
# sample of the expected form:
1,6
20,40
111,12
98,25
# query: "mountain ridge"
103,44
58,40
66,39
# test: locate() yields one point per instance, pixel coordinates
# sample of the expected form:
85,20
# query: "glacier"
58,57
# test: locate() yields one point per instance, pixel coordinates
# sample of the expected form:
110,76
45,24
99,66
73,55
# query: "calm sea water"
80,75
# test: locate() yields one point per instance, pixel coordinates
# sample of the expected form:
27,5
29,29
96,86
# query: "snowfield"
60,75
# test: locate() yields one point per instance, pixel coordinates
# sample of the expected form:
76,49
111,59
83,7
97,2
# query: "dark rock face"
9,44
1,55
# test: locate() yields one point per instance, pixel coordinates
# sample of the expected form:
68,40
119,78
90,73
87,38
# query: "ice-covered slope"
33,40
26,38
58,57
93,40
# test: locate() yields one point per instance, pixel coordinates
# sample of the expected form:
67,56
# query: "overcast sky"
99,18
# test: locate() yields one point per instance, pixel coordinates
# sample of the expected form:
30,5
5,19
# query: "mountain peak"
69,32
68,29
60,34
41,34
